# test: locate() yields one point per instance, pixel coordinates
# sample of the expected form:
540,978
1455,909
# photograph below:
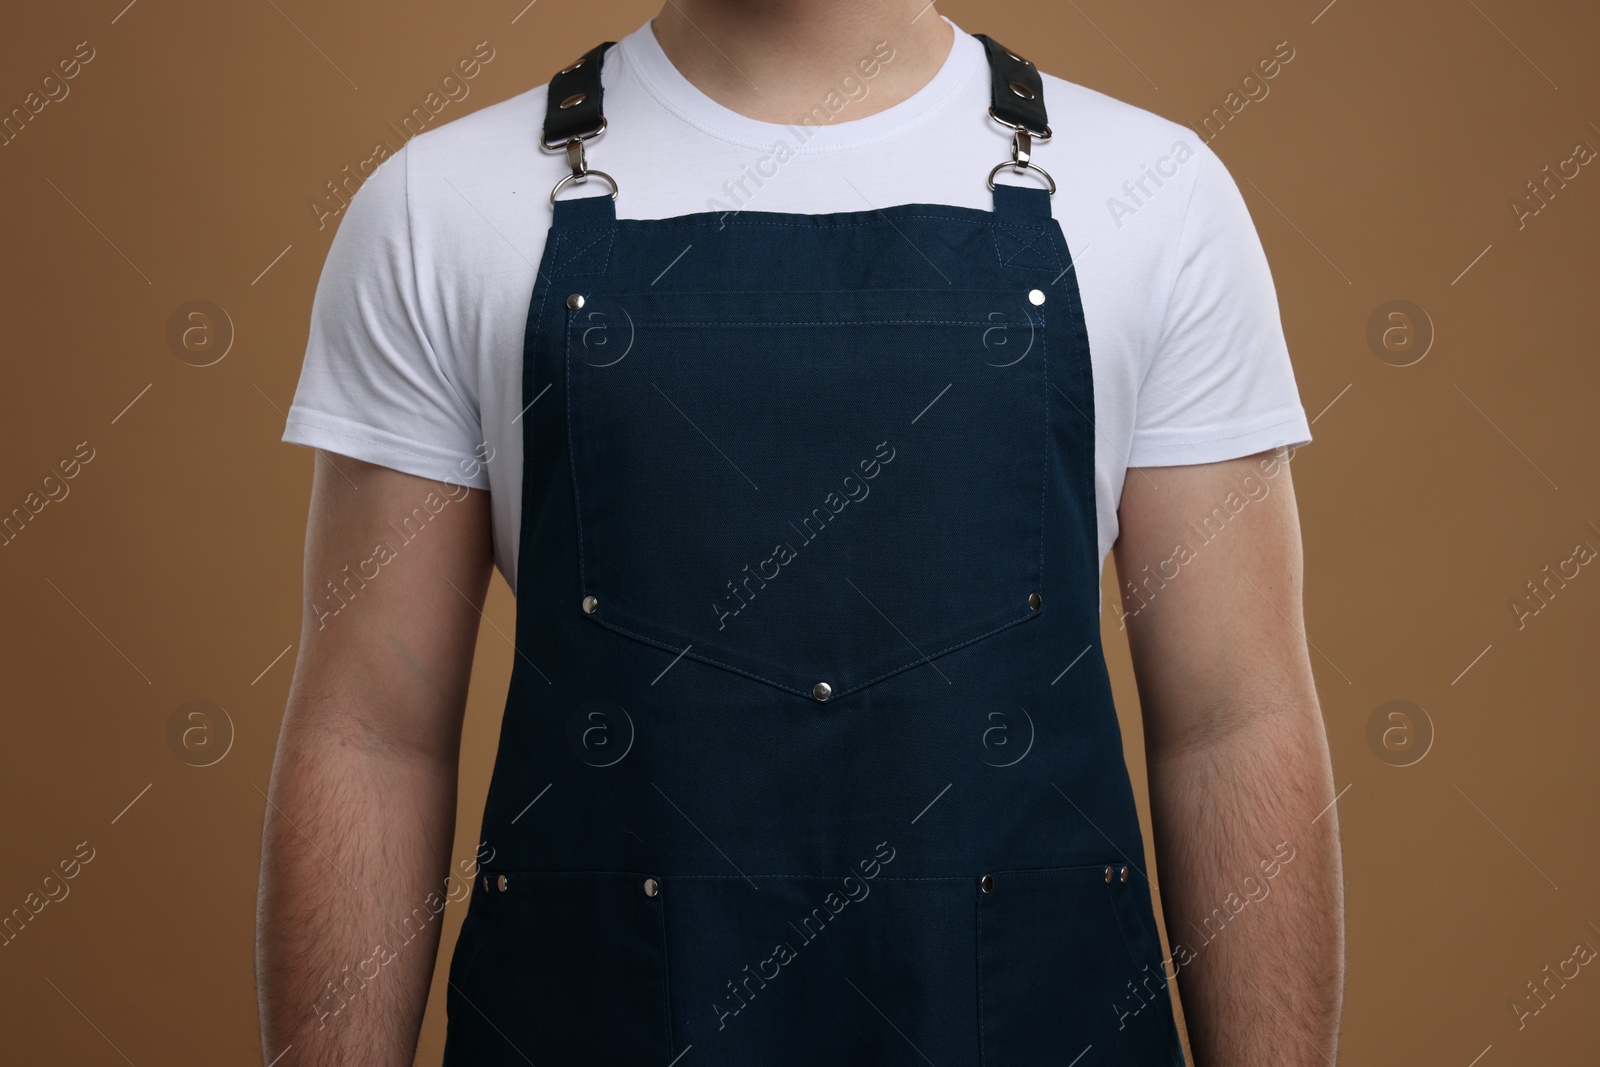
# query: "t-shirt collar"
642,55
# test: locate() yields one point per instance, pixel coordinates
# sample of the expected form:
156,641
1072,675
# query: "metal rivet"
1036,297
575,301
590,605
1016,57
1022,90
986,883
486,883
651,887
577,98
503,882
821,691
1108,876
579,63
1124,874
1035,601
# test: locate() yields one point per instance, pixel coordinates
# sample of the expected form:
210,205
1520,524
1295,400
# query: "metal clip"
1022,157
578,160
1021,150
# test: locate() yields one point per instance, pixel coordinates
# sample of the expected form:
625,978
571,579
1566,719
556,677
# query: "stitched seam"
1045,872
941,652
320,427
666,980
764,323
531,340
452,381
818,877
1121,924
800,692
1084,373
1294,417
669,878
483,939
1016,233
1122,921
977,937
1086,377
1044,486
1177,265
845,219
572,459
568,241
681,651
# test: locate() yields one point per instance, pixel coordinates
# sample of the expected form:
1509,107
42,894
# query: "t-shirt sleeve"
373,385
1219,384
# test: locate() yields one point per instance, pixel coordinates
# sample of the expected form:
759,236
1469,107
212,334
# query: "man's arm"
1250,874
361,809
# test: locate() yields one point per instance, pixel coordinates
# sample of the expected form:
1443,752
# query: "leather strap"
1016,91
574,107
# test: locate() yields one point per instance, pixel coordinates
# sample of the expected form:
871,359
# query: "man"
804,459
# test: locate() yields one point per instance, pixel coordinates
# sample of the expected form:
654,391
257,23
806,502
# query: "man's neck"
777,61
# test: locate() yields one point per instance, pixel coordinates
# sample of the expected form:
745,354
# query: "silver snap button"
503,882
590,605
577,98
821,692
1036,297
486,883
986,883
575,301
579,63
651,887
1022,90
1108,876
1124,874
1035,601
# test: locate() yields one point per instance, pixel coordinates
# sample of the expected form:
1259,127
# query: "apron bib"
809,754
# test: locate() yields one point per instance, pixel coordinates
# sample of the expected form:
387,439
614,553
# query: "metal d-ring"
576,177
998,167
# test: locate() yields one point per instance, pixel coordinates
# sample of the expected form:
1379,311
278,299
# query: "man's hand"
361,809
1246,841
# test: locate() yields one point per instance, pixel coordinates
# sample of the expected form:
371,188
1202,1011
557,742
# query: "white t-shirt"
414,359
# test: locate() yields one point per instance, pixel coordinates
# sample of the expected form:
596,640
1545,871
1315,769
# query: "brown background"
1380,167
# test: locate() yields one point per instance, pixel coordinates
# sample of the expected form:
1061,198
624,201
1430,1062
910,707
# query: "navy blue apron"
809,754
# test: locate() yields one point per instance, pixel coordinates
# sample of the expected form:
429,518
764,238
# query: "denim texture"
778,450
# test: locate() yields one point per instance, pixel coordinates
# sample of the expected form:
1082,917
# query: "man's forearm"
1252,890
355,848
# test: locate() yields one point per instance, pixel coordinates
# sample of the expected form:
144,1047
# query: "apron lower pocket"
1069,965
799,971
559,968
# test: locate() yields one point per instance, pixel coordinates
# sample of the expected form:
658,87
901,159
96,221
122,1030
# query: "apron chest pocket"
558,969
808,487
1067,962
